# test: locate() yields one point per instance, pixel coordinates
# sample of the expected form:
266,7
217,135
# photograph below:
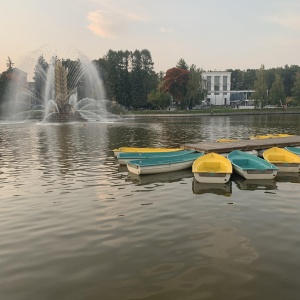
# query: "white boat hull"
249,174
212,177
124,161
252,152
288,167
160,168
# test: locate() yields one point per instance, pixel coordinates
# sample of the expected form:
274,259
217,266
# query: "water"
74,225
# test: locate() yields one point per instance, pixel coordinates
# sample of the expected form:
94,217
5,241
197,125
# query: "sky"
211,34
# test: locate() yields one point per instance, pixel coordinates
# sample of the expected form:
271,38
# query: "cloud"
290,20
110,21
101,24
286,15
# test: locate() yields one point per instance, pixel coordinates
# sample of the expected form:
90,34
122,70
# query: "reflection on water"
75,225
254,184
288,177
224,189
159,178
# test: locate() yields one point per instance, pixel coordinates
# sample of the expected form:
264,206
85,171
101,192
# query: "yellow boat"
270,136
286,161
227,140
212,168
282,135
144,150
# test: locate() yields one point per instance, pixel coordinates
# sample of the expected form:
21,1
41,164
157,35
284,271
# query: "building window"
224,83
217,83
208,83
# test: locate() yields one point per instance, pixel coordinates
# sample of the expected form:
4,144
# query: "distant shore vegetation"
130,80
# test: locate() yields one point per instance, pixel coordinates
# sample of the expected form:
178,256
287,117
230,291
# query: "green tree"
124,93
296,89
157,99
288,76
5,78
277,95
182,64
40,77
110,63
260,87
195,87
237,79
143,78
139,97
128,76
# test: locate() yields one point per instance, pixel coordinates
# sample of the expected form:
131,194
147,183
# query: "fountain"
63,90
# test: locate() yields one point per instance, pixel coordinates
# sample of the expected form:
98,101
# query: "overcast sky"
212,34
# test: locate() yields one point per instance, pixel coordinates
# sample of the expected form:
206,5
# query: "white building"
218,87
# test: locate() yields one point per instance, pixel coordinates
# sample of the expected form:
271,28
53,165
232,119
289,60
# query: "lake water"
74,225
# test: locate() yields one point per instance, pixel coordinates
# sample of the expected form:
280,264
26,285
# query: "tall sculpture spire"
61,88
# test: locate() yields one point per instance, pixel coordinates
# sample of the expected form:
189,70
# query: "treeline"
275,86
130,80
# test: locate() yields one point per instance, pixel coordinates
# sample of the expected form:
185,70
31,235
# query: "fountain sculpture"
63,90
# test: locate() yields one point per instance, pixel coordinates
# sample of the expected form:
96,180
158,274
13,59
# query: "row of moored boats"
211,167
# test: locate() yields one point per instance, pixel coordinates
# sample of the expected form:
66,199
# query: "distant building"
218,87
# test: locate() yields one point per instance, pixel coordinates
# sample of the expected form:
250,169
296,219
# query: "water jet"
61,91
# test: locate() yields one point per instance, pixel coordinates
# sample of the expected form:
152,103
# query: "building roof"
16,70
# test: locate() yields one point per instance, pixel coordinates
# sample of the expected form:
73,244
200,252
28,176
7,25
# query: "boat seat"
240,161
246,164
276,157
211,167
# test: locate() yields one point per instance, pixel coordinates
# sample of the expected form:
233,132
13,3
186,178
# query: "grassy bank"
220,110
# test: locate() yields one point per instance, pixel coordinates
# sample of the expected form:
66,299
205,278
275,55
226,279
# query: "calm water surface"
74,225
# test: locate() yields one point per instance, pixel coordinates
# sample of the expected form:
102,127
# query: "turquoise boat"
250,166
162,164
124,158
295,150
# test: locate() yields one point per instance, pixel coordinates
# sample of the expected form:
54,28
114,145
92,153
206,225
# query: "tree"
260,87
128,76
277,95
288,76
176,83
139,98
157,99
182,64
195,90
5,78
9,65
40,77
296,89
143,78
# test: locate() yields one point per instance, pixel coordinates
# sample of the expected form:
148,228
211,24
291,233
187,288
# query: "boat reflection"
122,169
224,189
288,177
254,184
159,178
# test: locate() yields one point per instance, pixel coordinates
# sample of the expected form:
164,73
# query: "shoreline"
216,113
